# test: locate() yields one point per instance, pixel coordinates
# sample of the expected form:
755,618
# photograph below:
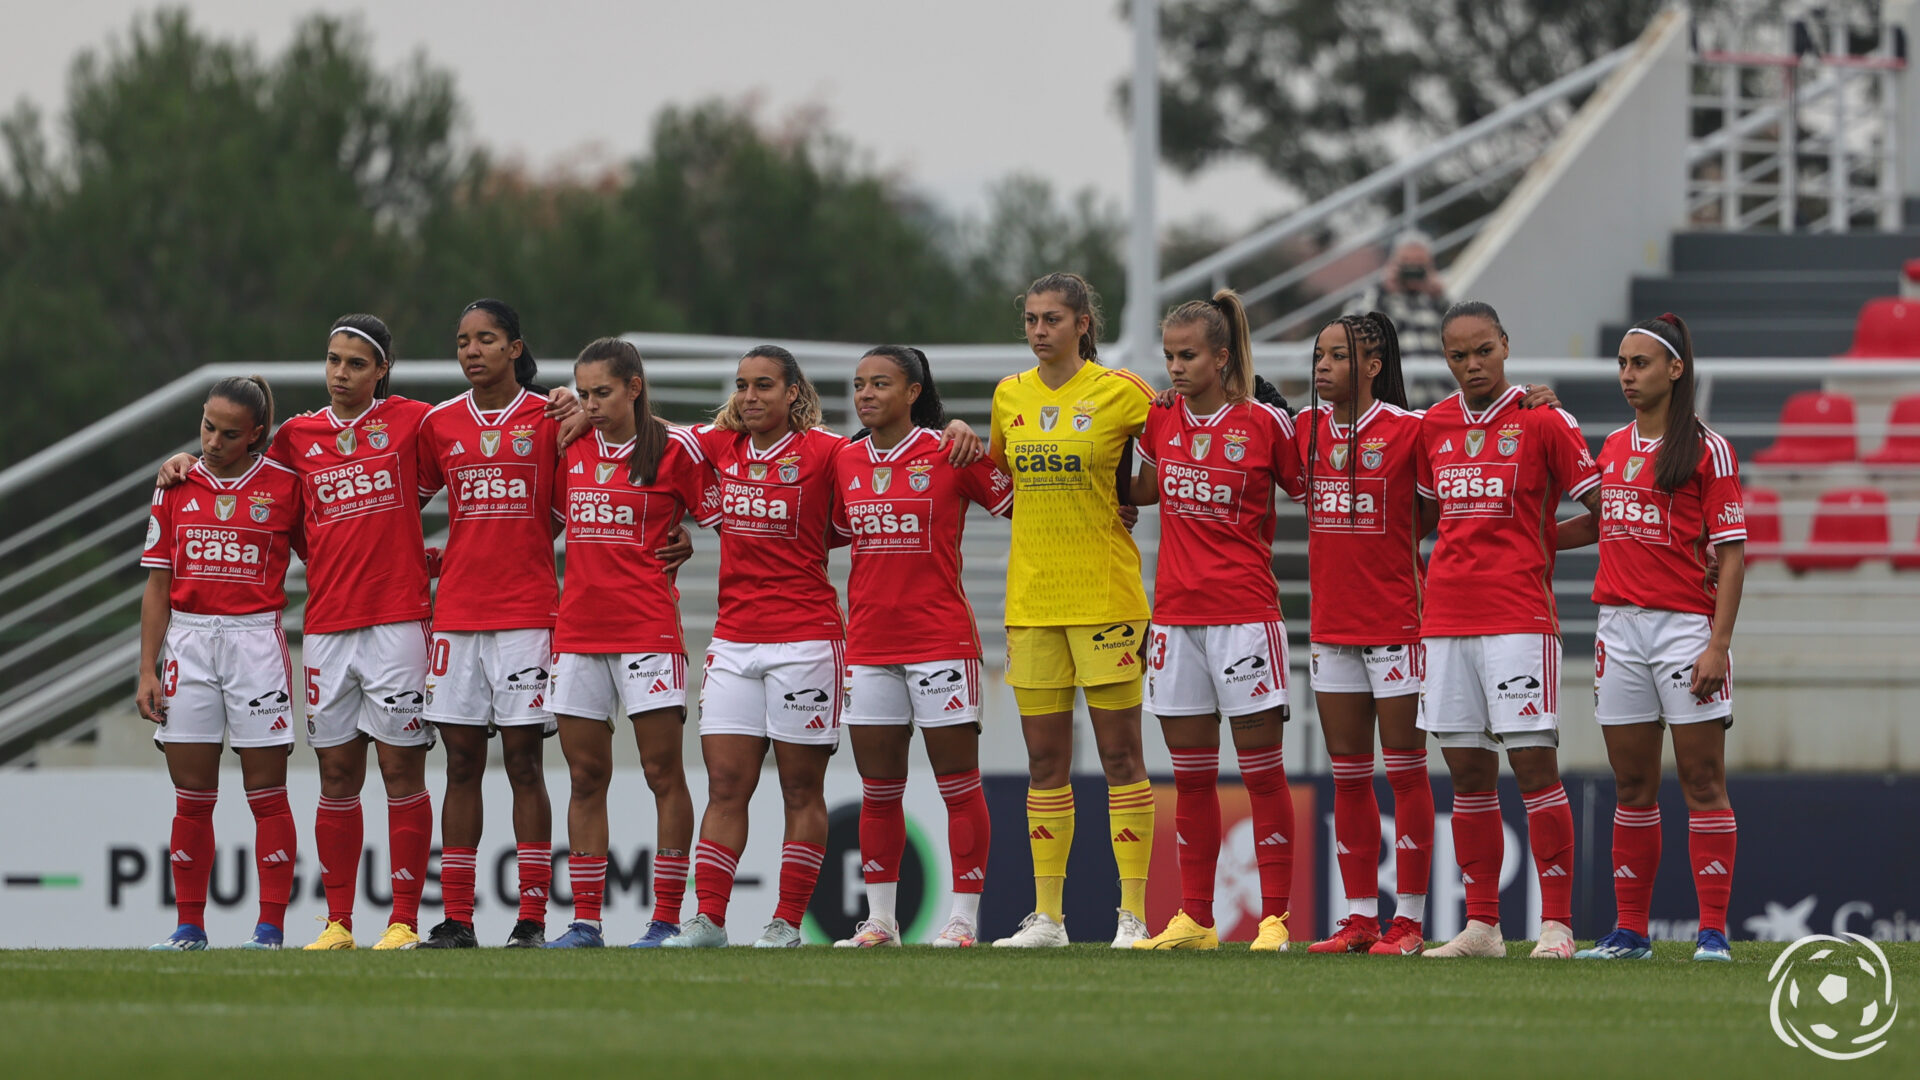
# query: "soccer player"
1076,611
1669,494
213,660
1358,446
1489,625
496,453
621,653
1217,645
911,637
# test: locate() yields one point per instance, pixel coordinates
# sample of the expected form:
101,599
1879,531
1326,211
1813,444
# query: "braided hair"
1374,333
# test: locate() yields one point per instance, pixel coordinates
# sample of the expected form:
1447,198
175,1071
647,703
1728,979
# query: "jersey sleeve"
427,472
1149,438
996,435
693,481
157,553
280,448
557,502
1135,406
1567,455
1422,464
986,484
1284,455
1721,505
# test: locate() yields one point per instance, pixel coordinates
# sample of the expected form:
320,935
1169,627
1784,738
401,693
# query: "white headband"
1664,343
361,334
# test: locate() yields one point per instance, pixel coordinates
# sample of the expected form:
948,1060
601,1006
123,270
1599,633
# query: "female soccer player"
1217,645
619,643
1076,609
496,454
1670,491
1490,627
911,638
773,672
1357,444
213,661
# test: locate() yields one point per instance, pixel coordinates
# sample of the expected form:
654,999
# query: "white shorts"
1216,670
372,681
613,686
226,676
1381,670
936,693
1643,668
788,692
490,676
1496,692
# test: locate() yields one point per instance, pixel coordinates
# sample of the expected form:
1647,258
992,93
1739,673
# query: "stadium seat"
1851,519
1908,562
1888,329
1816,428
1903,435
1763,524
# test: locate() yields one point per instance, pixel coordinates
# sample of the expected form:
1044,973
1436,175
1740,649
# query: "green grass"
909,1013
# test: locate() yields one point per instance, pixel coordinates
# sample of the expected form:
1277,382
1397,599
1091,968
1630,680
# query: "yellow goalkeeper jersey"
1073,563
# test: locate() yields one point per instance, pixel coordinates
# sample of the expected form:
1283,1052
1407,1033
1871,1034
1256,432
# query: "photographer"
1411,293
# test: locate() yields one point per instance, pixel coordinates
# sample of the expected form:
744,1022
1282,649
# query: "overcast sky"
951,94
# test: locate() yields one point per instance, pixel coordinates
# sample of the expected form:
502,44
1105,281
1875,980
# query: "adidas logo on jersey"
314,450
1626,872
1554,871
1712,869
458,448
1018,421
579,469
953,704
816,724
279,856
1039,833
1446,446
192,505
1272,840
854,484
402,874
659,687
1530,710
1175,441
1406,843
1126,836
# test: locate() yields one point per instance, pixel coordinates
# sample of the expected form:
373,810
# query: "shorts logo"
223,506
1683,677
1476,442
279,724
944,675
816,724
271,699
882,479
1530,710
312,728
1314,660
489,443
1049,417
1126,660
919,477
1394,676
953,704
1200,445
816,697
636,664
1262,689
1253,663
789,469
1337,457
1634,465
377,436
1236,448
1520,688
1117,630
604,472
344,442
659,687
261,508
523,442
528,678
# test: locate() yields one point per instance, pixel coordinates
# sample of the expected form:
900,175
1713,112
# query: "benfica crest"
377,436
262,506
344,442
1236,448
604,471
1634,465
489,443
919,477
789,469
1372,454
1509,442
1200,444
1083,418
1337,457
1476,442
882,479
1049,417
523,442
224,505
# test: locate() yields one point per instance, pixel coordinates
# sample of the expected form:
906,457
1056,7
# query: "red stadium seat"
1854,520
1903,435
1908,562
1816,428
1888,329
1763,524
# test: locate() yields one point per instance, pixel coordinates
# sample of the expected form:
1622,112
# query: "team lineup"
1462,646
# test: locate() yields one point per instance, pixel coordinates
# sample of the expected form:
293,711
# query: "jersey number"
169,678
313,686
1159,651
1599,658
441,650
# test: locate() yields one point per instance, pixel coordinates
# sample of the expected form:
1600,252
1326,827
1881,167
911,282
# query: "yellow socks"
1130,820
1050,834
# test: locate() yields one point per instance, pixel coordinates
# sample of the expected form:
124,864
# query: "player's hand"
149,700
1710,673
1129,516
967,447
433,563
1540,397
1165,399
572,428
174,470
562,403
678,550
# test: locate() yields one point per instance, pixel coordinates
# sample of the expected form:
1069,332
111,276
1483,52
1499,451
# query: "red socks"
713,867
409,837
337,837
669,886
969,829
587,875
1711,839
191,853
883,836
536,879
799,871
1636,858
456,882
274,844
1263,772
1412,820
1356,825
1550,835
1479,843
1196,819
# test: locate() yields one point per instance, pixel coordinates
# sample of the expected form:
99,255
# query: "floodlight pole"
1139,331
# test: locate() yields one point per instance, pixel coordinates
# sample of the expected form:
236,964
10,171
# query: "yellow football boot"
398,936
1182,933
1272,936
335,936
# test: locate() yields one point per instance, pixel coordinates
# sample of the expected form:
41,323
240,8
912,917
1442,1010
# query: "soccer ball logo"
1829,993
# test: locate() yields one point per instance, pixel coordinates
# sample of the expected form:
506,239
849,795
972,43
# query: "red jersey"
905,510
1653,543
227,542
502,506
617,598
1217,475
366,560
1497,476
776,509
1363,525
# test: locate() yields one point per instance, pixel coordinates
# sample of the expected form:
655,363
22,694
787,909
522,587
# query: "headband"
1664,343
360,334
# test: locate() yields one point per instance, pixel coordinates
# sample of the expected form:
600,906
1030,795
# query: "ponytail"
253,394
802,415
1225,320
508,320
372,330
649,433
927,409
1680,447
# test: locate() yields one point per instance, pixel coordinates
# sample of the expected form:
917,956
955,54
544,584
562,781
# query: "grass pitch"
1084,1011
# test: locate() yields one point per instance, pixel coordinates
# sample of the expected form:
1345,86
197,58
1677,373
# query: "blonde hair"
1225,320
803,414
